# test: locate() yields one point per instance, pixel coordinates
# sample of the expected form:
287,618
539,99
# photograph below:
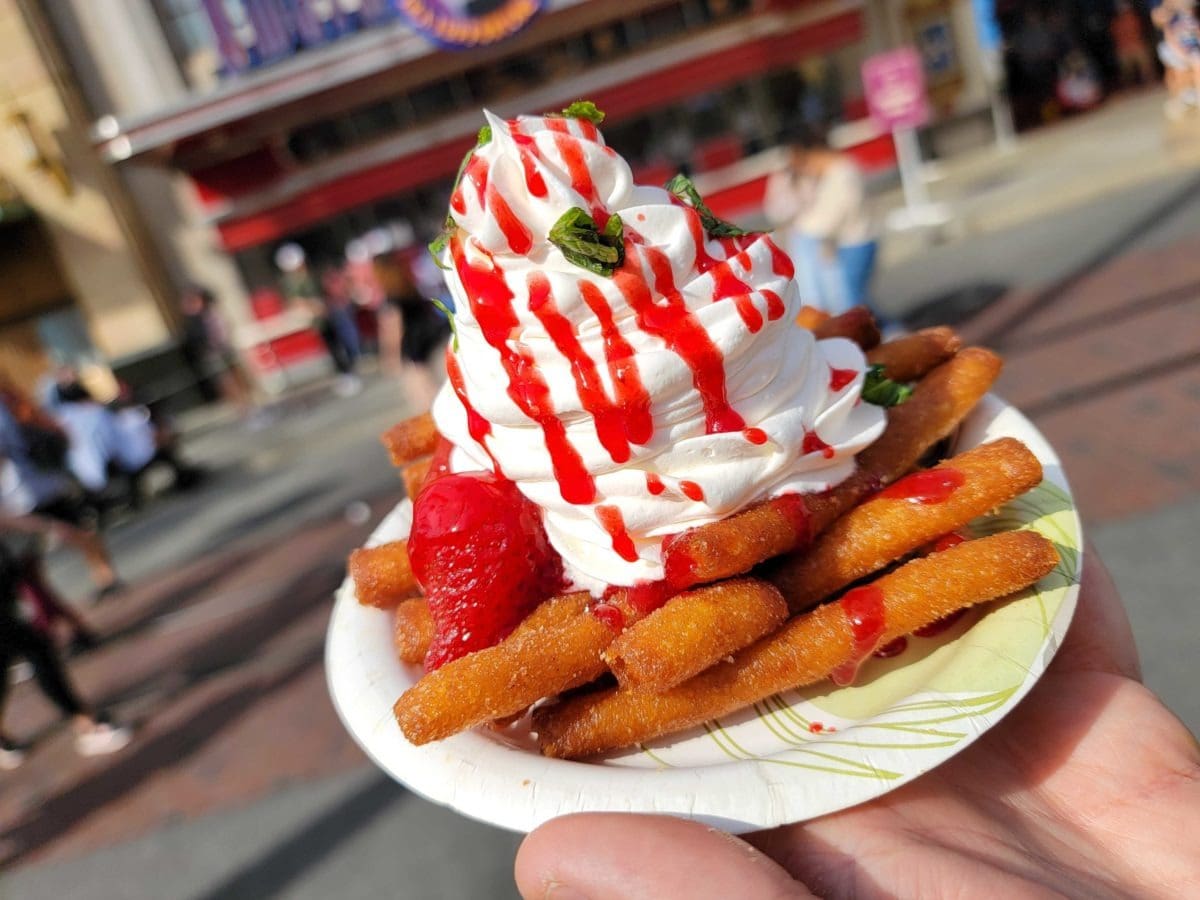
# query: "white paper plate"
794,756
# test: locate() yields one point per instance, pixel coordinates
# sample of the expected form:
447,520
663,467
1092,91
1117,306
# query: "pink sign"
895,87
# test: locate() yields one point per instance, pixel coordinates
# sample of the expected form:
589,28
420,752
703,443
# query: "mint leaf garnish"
438,245
576,235
881,390
584,109
449,314
683,188
484,136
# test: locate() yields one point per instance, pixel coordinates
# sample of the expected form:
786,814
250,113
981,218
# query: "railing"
248,34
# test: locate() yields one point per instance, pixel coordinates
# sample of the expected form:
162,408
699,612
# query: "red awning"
622,101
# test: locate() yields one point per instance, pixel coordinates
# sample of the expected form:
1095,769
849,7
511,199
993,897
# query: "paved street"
242,784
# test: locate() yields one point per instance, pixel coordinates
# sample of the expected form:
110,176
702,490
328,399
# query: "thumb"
611,856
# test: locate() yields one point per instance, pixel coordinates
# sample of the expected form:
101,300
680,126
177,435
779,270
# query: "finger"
1100,638
609,856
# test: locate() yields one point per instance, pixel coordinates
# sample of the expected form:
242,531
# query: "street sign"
894,83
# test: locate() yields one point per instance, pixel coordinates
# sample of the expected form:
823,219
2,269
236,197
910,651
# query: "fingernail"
556,890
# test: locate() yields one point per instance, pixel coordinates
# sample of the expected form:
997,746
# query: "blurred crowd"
67,463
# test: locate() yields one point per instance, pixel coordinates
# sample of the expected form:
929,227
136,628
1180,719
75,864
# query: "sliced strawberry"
479,550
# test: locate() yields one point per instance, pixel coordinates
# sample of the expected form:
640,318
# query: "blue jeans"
858,263
821,279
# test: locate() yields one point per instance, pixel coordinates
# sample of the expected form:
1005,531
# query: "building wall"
125,68
98,264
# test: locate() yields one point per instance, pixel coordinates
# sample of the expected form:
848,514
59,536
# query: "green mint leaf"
584,109
484,136
449,314
683,188
882,391
438,245
584,245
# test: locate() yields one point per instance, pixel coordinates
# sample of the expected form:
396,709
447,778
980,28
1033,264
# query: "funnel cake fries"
462,694
383,575
693,631
856,324
411,439
913,512
413,631
415,474
910,357
831,640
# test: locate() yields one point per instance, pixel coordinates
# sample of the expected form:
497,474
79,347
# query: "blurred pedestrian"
1079,87
34,479
208,349
1180,54
819,201
94,733
122,442
1134,65
25,538
423,329
331,316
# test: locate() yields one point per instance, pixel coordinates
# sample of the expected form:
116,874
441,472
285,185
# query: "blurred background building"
151,144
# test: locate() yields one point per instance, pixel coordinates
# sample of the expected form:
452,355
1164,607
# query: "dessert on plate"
646,495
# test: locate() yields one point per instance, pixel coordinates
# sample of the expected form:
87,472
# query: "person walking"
208,349
819,201
331,315
95,734
34,480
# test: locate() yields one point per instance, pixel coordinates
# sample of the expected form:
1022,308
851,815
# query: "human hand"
1089,788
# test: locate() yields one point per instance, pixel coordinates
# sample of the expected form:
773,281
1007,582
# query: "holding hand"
1090,788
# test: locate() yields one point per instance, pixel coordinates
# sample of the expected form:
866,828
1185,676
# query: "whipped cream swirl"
675,392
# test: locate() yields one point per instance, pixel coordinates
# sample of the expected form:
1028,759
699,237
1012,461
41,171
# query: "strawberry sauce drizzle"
476,175
839,378
865,614
492,305
930,486
477,426
617,423
654,484
581,176
755,436
727,286
781,263
534,181
632,400
612,522
692,491
814,444
775,306
682,332
518,235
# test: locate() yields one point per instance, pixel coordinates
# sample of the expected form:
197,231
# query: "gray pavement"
354,834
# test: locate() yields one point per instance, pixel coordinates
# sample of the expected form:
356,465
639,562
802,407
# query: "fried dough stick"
736,544
855,324
675,642
809,648
452,698
410,439
414,475
915,511
383,575
910,357
693,631
413,630
556,644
